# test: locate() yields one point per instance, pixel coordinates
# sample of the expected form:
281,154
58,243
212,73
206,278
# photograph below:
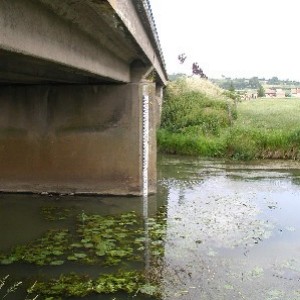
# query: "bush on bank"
195,112
192,106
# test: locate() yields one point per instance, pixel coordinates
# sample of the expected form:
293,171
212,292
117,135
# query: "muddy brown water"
232,229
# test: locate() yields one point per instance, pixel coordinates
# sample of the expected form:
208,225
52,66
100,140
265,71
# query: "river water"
230,231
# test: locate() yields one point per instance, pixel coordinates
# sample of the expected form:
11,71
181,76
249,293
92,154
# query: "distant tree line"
233,84
228,83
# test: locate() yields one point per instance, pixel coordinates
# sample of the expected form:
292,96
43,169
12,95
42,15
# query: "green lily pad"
6,261
57,252
100,253
76,245
119,253
56,262
88,245
80,255
228,287
148,289
72,257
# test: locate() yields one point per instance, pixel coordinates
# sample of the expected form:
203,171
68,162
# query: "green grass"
270,114
265,128
195,122
190,144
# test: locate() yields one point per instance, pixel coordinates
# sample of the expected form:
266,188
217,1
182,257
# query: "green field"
270,114
266,128
196,123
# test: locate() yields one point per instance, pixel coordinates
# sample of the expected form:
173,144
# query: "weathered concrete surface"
74,139
31,28
143,31
71,41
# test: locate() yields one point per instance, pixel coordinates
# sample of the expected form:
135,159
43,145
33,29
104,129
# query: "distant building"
270,93
295,92
249,94
280,93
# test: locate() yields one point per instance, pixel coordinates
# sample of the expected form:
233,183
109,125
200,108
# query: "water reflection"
231,230
215,230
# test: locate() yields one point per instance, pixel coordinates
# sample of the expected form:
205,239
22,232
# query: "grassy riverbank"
198,119
266,128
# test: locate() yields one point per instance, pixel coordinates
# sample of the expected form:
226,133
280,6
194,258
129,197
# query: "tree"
182,58
254,83
196,70
231,87
274,80
261,91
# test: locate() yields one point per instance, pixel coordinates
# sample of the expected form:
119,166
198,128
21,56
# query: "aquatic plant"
12,287
55,213
103,240
46,250
70,285
107,240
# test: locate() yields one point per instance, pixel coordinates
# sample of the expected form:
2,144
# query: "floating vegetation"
224,221
274,294
96,240
288,270
46,250
55,213
107,240
256,272
74,285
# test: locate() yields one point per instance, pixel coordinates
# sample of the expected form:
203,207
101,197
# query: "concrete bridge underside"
73,75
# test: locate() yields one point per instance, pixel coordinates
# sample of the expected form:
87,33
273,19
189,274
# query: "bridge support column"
75,138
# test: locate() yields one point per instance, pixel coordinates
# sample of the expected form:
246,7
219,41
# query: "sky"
232,38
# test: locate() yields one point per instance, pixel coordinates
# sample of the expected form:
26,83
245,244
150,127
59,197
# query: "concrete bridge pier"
76,138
